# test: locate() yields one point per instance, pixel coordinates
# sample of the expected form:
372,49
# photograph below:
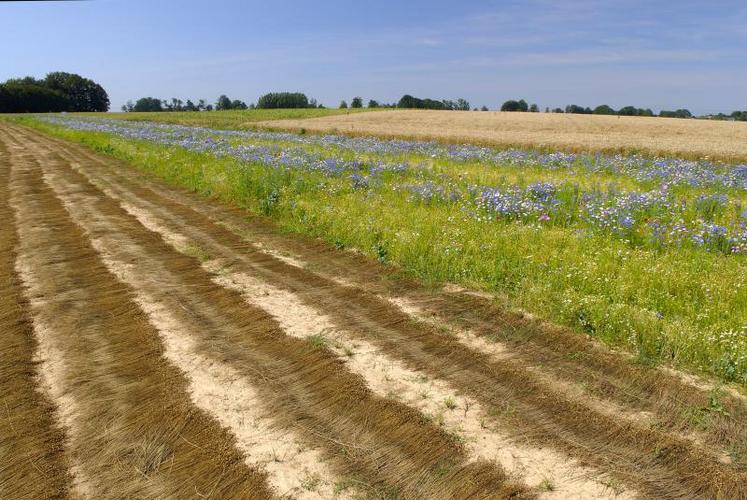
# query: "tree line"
56,92
289,100
60,91
153,104
603,109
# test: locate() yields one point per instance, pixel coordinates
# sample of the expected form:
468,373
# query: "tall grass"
679,305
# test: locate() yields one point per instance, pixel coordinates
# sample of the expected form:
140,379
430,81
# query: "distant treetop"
512,105
285,100
409,102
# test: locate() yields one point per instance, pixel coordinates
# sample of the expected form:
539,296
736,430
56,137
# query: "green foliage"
31,98
373,104
283,100
409,102
604,109
223,103
578,110
147,105
343,104
154,105
534,108
511,105
83,94
633,111
356,103
680,113
56,92
461,105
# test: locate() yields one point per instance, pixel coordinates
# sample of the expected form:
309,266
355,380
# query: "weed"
546,485
318,341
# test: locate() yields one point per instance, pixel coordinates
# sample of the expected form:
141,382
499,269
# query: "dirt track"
157,345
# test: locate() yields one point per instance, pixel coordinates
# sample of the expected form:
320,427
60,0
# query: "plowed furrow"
658,462
32,459
673,403
131,428
378,441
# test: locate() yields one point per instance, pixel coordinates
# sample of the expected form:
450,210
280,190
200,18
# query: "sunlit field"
646,254
681,138
232,119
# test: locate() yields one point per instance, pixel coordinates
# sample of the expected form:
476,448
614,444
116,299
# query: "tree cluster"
224,103
680,113
57,92
521,106
152,104
409,102
602,109
285,100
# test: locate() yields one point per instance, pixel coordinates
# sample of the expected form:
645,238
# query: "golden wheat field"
721,140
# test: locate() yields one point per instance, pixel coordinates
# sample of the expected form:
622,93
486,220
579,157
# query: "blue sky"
657,54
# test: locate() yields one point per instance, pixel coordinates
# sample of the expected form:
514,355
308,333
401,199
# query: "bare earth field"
548,131
156,345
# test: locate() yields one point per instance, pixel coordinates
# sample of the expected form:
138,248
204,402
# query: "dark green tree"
462,105
512,105
147,104
680,113
628,111
283,100
83,94
604,109
357,102
578,110
31,98
223,103
237,104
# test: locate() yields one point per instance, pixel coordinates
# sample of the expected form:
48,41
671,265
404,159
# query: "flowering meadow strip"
657,268
670,171
652,219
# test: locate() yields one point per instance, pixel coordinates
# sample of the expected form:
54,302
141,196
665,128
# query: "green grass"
243,119
680,306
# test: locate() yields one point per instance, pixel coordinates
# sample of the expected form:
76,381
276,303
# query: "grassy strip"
682,306
231,119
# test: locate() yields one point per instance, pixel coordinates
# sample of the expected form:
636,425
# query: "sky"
648,53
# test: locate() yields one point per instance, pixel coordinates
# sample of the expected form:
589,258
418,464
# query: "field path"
172,347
